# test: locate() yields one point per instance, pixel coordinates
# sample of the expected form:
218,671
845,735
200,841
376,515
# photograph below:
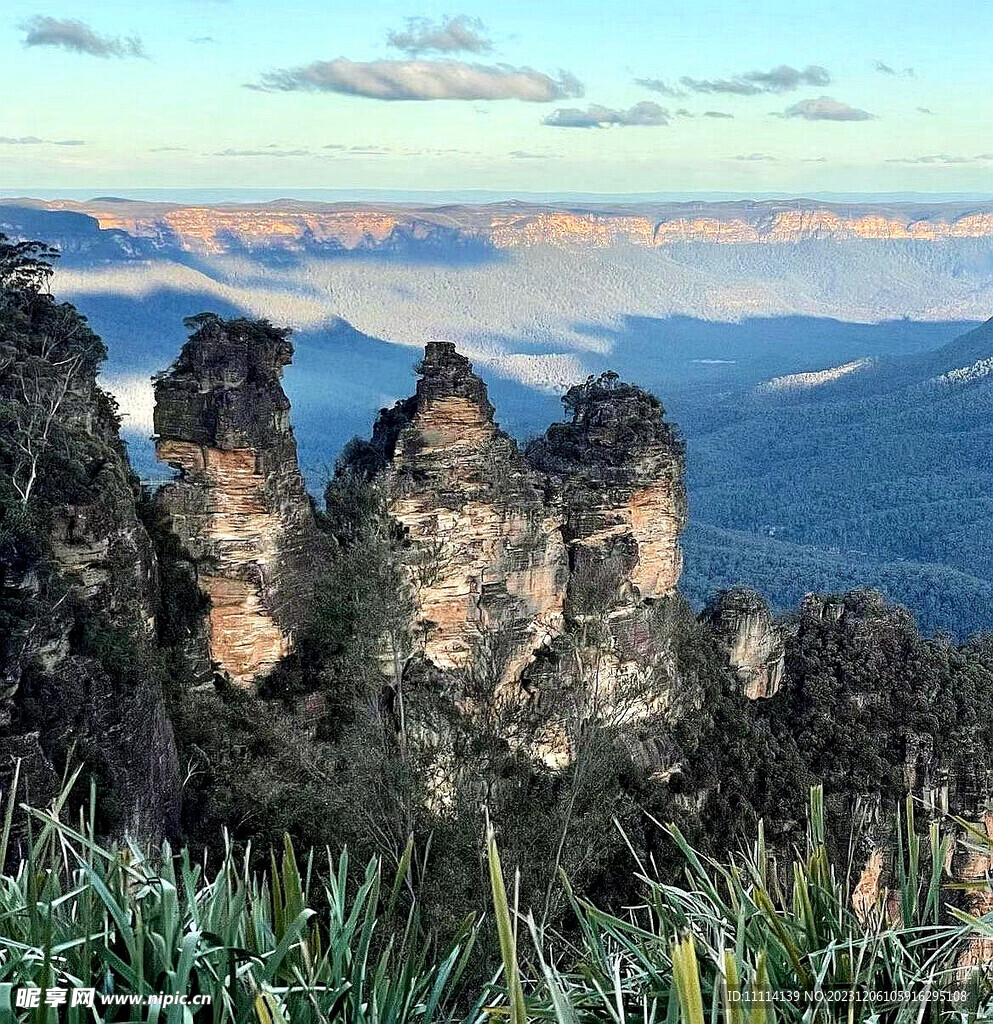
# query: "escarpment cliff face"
78,690
239,508
485,557
314,226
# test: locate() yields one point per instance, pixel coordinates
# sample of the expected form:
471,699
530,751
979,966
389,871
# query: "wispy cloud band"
644,114
782,78
78,37
423,80
33,140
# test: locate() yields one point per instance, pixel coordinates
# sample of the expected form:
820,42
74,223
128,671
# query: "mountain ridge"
299,225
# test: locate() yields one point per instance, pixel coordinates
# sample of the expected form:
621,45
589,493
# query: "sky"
623,96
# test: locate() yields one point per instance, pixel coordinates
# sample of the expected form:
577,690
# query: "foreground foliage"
735,940
753,939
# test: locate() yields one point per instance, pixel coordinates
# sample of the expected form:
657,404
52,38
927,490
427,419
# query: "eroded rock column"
755,643
616,470
485,556
239,507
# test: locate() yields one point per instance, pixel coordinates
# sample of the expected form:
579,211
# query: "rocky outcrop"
615,470
956,796
483,551
514,546
755,644
239,508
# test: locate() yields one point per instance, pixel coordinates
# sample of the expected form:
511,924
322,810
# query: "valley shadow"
145,332
666,354
444,248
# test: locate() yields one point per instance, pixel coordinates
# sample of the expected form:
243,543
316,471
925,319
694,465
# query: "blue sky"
616,96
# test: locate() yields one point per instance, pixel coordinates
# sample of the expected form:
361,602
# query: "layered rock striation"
508,547
483,551
239,508
616,472
304,226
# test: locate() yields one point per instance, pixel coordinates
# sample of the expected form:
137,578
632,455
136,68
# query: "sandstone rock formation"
239,507
754,642
616,472
485,555
308,226
552,555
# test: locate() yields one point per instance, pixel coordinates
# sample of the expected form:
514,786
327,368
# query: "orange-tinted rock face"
486,559
557,228
869,888
238,508
505,546
301,225
872,895
223,518
616,473
656,521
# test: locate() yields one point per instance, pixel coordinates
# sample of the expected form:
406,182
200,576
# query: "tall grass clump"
746,940
77,914
754,940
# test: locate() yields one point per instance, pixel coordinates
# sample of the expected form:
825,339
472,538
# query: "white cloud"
135,401
422,80
826,108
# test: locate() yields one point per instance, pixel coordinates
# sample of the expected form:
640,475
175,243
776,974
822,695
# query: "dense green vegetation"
295,942
881,478
63,472
783,572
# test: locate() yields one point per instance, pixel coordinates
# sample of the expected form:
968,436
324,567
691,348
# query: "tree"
41,386
48,356
25,268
